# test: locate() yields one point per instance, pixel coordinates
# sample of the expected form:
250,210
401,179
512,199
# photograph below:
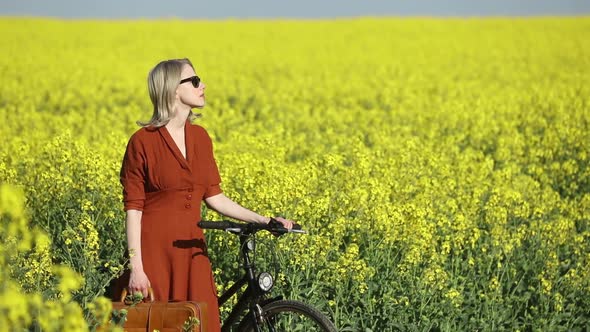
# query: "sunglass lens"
196,80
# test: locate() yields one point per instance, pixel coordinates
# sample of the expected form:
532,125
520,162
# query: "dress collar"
188,142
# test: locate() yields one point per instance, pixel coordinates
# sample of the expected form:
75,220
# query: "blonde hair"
163,80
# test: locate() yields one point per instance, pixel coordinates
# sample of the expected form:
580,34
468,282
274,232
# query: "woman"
167,171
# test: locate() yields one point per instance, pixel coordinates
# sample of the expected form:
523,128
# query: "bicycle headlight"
265,281
251,245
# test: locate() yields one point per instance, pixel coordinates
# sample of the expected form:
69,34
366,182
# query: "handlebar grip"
276,226
215,224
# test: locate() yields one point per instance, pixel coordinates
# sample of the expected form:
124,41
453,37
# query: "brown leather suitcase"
162,316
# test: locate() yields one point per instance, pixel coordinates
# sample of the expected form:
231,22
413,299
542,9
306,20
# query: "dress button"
190,190
189,196
187,205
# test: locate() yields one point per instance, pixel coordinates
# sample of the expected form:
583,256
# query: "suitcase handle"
150,294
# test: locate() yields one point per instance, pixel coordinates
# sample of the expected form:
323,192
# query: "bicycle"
264,313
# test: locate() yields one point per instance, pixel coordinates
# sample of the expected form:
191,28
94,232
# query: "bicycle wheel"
289,316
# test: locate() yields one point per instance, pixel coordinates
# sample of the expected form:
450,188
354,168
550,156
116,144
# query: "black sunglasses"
195,80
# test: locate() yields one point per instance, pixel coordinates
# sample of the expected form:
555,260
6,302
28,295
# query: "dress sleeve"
133,175
213,176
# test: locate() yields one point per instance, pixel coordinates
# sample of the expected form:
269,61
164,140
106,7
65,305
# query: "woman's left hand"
288,224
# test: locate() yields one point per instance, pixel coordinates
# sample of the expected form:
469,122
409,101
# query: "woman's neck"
179,119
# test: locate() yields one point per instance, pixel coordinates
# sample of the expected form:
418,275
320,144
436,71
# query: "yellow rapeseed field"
441,166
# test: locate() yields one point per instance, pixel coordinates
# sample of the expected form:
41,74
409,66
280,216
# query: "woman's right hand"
138,282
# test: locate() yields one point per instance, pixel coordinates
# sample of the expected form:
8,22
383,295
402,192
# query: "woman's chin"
199,104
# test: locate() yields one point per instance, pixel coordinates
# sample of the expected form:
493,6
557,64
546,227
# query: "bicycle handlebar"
273,226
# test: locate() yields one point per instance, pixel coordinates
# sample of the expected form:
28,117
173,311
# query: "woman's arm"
227,207
138,281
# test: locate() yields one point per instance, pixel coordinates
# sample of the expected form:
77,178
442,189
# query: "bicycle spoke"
270,322
290,322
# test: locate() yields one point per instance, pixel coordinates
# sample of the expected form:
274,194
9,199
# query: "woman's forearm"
133,224
227,207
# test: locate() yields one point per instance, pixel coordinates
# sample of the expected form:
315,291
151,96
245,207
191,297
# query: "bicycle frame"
252,298
261,310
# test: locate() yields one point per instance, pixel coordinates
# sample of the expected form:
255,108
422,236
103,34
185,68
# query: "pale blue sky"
219,9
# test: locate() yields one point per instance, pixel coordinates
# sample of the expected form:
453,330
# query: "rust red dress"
169,189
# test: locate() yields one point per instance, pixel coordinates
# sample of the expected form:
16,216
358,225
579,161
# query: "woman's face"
187,93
